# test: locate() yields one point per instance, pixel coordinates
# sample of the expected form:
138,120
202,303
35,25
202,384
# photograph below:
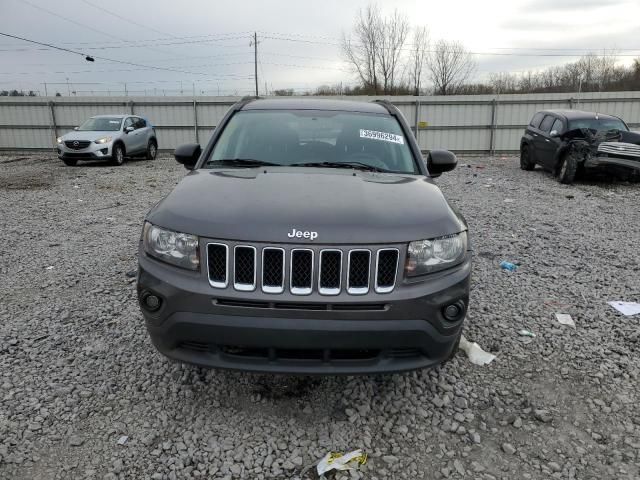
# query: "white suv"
109,137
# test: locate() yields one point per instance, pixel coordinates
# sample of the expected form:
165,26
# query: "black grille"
244,266
272,267
301,268
387,266
77,144
217,256
359,269
330,263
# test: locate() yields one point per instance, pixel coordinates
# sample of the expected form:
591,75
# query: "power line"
150,67
507,54
45,44
128,20
212,36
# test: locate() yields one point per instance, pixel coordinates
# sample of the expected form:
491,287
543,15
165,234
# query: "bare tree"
393,35
419,57
362,52
450,66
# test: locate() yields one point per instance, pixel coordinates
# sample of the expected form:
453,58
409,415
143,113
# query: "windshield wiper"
356,165
243,162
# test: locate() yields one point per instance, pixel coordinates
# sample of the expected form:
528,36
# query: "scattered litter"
50,267
80,200
339,461
512,267
570,196
626,308
508,200
122,440
76,186
527,333
480,166
110,219
476,355
565,319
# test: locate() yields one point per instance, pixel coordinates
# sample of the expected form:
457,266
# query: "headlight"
103,140
59,139
427,256
179,249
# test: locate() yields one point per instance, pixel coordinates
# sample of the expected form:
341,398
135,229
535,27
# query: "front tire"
152,150
526,162
117,155
70,162
568,168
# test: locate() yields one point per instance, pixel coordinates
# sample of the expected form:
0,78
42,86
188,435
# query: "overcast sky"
206,44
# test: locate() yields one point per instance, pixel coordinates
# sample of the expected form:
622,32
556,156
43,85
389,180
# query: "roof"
117,115
315,104
577,114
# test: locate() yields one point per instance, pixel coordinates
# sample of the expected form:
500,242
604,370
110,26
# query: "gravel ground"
83,394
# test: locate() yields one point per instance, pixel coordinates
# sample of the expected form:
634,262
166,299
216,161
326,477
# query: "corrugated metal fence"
470,124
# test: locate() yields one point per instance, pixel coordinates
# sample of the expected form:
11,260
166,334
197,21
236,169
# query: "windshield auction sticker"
385,137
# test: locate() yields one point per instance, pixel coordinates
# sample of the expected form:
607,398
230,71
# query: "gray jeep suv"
309,237
109,137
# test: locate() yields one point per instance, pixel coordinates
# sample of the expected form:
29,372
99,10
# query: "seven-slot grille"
328,271
77,144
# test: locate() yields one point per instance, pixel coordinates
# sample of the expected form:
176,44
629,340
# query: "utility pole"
68,89
255,59
45,89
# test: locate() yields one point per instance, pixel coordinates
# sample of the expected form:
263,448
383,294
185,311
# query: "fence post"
492,133
195,119
53,127
417,120
131,107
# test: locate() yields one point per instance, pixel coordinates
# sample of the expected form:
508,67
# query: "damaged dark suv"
570,142
309,237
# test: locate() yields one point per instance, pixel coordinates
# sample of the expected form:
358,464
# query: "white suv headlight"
59,139
427,256
179,249
103,140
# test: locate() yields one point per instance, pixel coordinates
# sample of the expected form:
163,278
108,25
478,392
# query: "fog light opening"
151,302
454,311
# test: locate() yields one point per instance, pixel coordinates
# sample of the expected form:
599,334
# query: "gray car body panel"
264,204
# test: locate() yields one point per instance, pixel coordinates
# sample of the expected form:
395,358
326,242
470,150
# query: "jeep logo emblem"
300,234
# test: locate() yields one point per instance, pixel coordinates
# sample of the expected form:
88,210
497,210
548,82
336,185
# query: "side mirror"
553,133
440,161
76,128
128,129
188,155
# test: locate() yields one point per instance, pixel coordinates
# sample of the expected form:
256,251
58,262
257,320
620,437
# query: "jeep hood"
343,207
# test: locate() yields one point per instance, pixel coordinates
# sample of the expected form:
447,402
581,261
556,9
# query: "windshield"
606,123
297,137
101,124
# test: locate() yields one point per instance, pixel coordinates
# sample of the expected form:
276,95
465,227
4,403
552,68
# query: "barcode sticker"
385,137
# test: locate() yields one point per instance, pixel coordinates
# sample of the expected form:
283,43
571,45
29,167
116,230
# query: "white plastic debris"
50,267
508,200
626,308
338,461
476,355
122,440
565,319
527,333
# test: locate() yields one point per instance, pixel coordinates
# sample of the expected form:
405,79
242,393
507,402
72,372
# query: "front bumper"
94,151
377,333
606,161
